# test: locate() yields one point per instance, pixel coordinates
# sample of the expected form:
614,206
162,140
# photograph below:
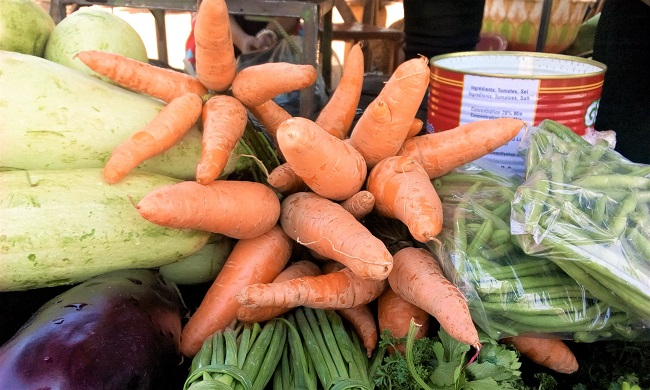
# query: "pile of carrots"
334,174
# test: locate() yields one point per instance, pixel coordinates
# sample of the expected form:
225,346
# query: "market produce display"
327,254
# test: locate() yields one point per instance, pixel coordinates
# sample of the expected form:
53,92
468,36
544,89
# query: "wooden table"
315,14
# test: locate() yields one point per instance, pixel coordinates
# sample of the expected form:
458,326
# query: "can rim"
563,57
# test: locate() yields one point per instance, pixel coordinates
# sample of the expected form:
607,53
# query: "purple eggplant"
120,330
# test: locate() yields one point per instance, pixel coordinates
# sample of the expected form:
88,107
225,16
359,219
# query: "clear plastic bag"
587,208
510,292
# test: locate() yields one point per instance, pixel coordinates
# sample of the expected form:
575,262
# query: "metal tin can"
470,86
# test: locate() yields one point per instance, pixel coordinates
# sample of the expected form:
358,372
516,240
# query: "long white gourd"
55,117
64,226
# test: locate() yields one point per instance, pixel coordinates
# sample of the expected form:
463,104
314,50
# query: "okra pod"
605,182
481,237
618,223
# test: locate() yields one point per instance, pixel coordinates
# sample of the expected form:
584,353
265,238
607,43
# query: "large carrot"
552,353
252,260
403,191
394,314
285,180
360,317
161,83
257,84
444,151
216,65
271,115
237,209
359,204
385,123
163,132
329,166
336,290
337,115
418,279
224,122
324,226
294,270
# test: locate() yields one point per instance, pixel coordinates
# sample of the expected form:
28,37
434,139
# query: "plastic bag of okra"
587,209
508,291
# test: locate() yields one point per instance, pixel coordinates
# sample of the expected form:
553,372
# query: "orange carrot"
444,151
224,122
237,209
359,204
394,314
325,227
164,130
360,317
548,352
329,166
285,180
403,191
252,260
270,114
161,83
257,84
418,279
295,270
385,123
337,115
415,128
336,290
215,55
